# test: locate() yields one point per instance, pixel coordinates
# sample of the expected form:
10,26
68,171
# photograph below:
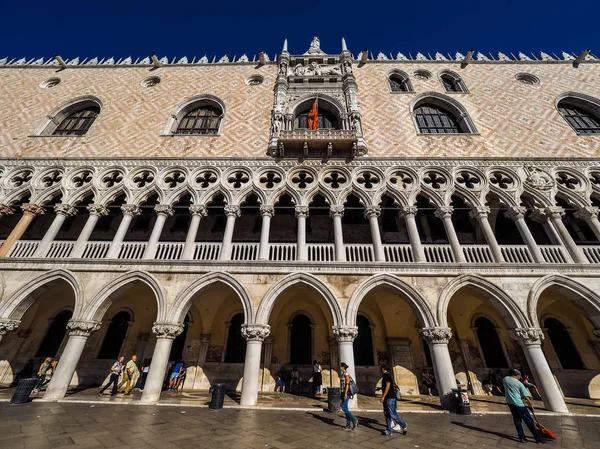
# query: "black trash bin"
461,398
334,399
218,396
23,390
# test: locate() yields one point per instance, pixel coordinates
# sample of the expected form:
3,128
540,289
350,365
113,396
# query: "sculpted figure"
315,46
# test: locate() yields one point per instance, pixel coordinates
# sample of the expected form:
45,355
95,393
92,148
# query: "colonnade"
551,217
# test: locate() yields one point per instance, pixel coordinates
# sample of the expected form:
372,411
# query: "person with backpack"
389,395
348,390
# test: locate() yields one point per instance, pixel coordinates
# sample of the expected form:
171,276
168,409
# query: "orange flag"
313,117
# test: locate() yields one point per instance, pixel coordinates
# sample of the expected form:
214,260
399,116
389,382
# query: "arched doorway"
55,335
363,343
236,344
489,343
115,336
565,350
301,340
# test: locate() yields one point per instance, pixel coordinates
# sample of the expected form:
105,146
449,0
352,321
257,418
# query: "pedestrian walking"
345,382
43,372
144,369
175,374
515,394
130,374
294,380
428,381
317,378
115,372
388,399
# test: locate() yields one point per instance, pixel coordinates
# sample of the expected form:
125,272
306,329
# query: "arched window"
301,341
489,342
73,118
78,122
115,336
453,83
399,82
363,343
236,345
202,120
583,116
179,342
327,120
55,335
563,345
435,113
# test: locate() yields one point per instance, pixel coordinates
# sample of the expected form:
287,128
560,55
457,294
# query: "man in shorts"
177,369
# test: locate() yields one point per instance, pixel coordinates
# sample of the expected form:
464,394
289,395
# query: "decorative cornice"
98,209
82,328
233,211
198,209
436,335
8,325
167,330
345,333
528,335
65,209
255,332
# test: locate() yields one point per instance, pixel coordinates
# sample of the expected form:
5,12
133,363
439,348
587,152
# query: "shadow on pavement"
324,419
479,429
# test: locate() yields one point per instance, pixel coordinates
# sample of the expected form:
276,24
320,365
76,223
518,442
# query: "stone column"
555,214
334,361
481,213
129,211
96,211
445,213
30,211
302,249
232,213
530,340
79,331
409,213
517,214
165,334
7,325
163,211
254,335
372,213
345,336
267,212
590,216
62,212
437,338
198,211
336,212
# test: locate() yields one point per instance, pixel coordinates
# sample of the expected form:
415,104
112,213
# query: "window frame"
458,82
55,118
461,115
189,105
405,79
579,109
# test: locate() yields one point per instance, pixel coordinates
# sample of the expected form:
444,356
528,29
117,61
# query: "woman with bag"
317,378
348,391
388,398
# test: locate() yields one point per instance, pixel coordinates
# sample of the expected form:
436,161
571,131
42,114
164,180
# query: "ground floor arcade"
242,329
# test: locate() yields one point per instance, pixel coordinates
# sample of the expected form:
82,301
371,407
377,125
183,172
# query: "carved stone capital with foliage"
82,328
372,211
163,209
6,210
302,211
528,335
515,213
436,335
65,209
97,209
255,332
479,212
8,325
233,211
444,212
345,333
336,210
198,209
267,210
167,330
33,209
586,213
407,211
131,209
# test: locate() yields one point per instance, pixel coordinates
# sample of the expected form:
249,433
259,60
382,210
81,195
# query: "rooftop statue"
315,47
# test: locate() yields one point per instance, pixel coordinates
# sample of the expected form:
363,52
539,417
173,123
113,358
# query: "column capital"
585,213
205,338
167,330
233,210
515,213
8,325
65,209
98,210
301,211
539,215
82,328
554,211
479,212
267,210
372,211
6,210
131,209
436,335
163,209
444,212
198,209
336,210
32,209
345,333
528,335
255,332
407,211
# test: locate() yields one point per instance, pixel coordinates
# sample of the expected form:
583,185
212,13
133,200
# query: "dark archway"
563,345
115,336
236,344
363,343
55,335
179,342
301,340
490,344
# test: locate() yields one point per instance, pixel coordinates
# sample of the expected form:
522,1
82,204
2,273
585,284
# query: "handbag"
353,389
397,392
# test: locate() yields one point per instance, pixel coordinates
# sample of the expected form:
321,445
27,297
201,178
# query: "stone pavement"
61,425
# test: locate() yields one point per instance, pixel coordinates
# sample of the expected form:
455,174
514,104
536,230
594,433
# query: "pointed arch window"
115,336
453,83
583,116
199,121
77,123
399,82
433,119
55,335
563,345
490,344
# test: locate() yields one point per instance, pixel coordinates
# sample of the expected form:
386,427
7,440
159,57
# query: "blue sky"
181,28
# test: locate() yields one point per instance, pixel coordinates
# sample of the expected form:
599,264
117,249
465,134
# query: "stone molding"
255,332
345,334
167,330
8,325
528,335
436,335
82,328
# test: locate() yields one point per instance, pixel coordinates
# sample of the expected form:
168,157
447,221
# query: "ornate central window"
327,120
202,120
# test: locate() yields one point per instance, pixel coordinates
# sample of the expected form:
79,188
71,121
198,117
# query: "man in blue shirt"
515,393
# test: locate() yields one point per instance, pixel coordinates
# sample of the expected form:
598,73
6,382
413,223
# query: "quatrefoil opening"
21,178
566,180
51,178
206,179
401,179
302,179
502,181
368,180
143,179
174,179
112,179
82,178
270,180
434,179
238,179
335,180
468,180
